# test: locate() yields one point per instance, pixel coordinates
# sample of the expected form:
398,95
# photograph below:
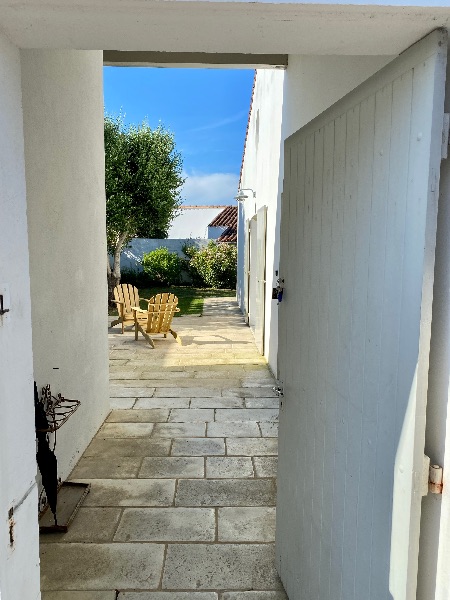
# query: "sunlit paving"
182,473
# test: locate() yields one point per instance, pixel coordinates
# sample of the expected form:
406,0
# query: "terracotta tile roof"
229,235
227,218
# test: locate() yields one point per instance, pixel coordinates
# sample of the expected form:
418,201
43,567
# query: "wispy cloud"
211,188
220,122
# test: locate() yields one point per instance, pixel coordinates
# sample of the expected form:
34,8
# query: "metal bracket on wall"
2,310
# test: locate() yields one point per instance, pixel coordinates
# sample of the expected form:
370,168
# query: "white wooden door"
357,254
252,284
260,287
247,269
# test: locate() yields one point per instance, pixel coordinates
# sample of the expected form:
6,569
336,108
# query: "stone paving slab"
226,492
247,414
118,374
269,429
167,596
91,525
173,430
147,366
251,392
88,595
212,368
130,492
265,466
93,467
224,467
243,524
122,402
167,525
220,566
116,391
186,392
126,430
114,447
191,415
198,446
233,429
148,403
101,566
262,403
173,467
218,402
252,382
155,415
193,383
254,596
252,446
226,373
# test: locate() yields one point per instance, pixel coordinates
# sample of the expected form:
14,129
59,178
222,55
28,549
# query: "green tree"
143,179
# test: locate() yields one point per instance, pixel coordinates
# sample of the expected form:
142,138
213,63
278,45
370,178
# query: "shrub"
162,266
215,265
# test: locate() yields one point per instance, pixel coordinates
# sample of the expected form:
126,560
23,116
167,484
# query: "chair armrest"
137,309
121,307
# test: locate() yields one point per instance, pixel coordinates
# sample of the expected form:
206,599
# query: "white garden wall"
131,257
19,561
64,156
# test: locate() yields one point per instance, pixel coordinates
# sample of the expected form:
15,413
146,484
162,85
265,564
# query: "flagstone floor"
182,505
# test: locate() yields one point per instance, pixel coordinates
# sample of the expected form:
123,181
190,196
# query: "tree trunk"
114,272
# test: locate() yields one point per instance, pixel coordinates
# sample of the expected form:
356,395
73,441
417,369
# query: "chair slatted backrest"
128,294
161,309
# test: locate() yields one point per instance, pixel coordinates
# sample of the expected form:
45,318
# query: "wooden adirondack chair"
157,318
126,296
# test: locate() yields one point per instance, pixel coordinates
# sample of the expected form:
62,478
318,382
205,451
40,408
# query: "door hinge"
445,135
436,479
432,478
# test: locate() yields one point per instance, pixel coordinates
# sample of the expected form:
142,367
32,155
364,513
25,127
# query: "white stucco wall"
260,173
64,157
193,222
283,102
19,563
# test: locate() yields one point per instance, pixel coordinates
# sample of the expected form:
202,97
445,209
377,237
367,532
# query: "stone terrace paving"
182,504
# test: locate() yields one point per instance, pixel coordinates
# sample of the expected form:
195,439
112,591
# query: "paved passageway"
182,505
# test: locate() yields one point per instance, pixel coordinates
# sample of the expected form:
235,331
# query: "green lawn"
190,299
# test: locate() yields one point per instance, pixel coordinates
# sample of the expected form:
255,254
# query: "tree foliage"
143,179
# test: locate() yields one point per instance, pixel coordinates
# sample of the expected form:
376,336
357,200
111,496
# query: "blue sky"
206,109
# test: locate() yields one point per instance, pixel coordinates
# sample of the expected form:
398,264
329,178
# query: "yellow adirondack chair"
126,296
157,318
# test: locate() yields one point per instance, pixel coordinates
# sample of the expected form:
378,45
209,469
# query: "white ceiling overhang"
220,27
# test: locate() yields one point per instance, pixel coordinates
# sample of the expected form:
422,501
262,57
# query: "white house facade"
53,250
